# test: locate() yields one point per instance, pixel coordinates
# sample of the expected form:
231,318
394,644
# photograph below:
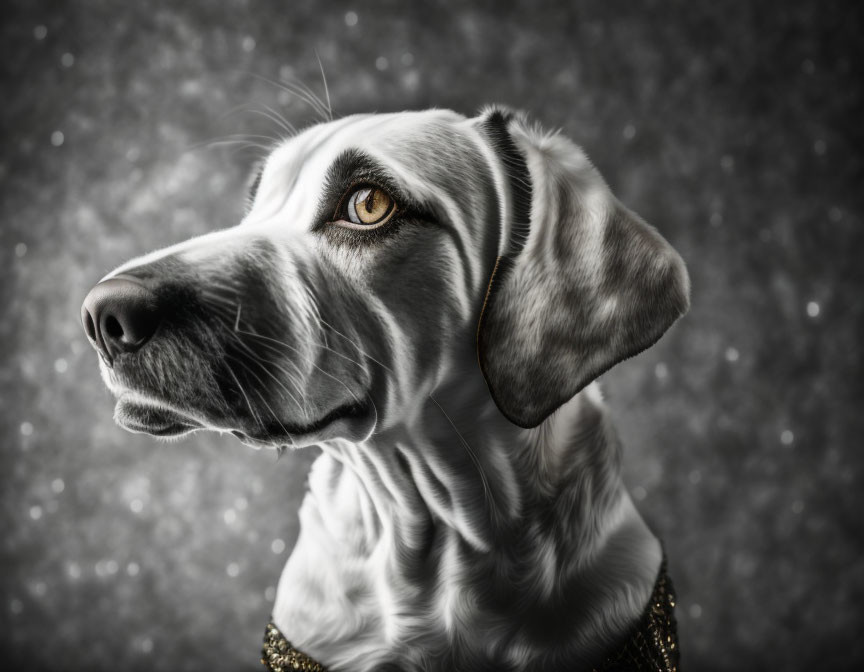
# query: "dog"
428,298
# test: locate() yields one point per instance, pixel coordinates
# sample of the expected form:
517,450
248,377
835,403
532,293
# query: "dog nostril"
89,327
113,329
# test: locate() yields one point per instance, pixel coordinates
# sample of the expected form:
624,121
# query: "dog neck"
470,536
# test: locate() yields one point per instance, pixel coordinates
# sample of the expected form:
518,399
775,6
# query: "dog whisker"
263,385
302,406
300,91
295,382
326,88
243,140
255,355
277,119
220,309
356,347
299,87
317,344
270,342
261,361
286,125
255,415
293,349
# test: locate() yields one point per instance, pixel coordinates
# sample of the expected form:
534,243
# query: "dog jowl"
427,298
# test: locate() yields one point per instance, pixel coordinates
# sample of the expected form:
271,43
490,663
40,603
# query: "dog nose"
120,315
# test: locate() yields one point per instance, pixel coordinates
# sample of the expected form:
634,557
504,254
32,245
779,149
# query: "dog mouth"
355,418
141,417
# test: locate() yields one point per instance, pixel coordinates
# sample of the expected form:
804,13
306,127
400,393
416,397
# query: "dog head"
380,257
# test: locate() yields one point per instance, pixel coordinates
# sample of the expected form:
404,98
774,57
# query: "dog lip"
277,432
141,417
354,409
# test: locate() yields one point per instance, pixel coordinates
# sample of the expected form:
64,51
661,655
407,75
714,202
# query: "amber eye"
369,206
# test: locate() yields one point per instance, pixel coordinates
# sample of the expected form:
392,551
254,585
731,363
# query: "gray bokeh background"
735,128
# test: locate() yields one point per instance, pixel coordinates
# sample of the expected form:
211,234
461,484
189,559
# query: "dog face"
380,257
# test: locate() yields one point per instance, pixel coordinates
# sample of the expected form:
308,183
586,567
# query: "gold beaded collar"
651,646
279,656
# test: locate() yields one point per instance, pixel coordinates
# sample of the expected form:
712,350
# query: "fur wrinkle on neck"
406,544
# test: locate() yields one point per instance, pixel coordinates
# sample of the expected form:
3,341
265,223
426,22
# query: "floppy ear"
586,283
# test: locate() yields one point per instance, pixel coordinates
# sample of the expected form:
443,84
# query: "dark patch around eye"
353,170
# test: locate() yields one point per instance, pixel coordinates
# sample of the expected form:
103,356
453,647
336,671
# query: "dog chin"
142,418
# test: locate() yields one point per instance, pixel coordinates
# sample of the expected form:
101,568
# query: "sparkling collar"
277,654
650,646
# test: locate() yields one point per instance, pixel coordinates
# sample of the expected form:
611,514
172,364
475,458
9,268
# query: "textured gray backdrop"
733,127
